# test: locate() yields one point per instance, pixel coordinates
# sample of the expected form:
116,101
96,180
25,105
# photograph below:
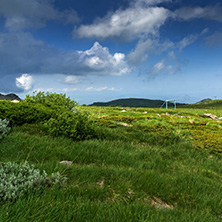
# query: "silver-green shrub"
16,179
4,128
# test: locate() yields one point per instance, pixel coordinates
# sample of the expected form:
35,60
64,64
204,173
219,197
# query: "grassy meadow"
145,165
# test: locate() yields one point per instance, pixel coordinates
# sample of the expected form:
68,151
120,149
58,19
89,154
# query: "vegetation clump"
58,102
23,112
74,125
57,112
4,128
16,179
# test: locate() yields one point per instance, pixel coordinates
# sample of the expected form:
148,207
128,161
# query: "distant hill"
10,96
205,100
206,104
134,102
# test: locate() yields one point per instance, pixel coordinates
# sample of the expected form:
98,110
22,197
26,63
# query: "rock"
159,204
101,183
210,115
124,124
66,162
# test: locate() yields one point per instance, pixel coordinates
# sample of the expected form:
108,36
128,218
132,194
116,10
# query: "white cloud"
140,53
25,82
33,13
71,79
162,67
64,90
21,53
67,90
159,67
99,59
208,12
188,40
125,25
148,2
100,89
146,47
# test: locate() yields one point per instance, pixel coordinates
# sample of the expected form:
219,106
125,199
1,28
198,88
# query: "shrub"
53,100
20,113
74,125
4,128
16,179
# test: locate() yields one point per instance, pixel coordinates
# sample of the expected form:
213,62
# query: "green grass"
209,104
160,168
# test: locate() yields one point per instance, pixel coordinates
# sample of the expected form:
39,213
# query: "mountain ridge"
135,102
10,96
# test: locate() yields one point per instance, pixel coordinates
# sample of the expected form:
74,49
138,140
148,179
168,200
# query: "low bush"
16,179
53,100
74,125
4,128
59,114
20,113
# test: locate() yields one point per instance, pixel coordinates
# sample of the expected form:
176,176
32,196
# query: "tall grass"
128,175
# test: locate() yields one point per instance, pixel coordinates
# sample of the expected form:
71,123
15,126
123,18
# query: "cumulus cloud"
21,53
71,79
33,13
125,25
208,12
25,82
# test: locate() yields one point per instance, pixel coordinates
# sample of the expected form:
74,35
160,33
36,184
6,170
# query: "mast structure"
169,101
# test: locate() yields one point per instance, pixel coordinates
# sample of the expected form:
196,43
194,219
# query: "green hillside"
134,102
112,164
209,104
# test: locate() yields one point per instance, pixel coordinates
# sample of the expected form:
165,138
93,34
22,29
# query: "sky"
97,51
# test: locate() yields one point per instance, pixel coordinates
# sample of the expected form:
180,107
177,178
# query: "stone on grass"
210,115
66,162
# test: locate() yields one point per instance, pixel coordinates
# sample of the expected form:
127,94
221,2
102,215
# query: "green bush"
60,115
53,100
16,179
74,125
4,128
20,113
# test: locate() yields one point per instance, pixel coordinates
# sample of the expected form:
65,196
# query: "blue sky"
96,50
